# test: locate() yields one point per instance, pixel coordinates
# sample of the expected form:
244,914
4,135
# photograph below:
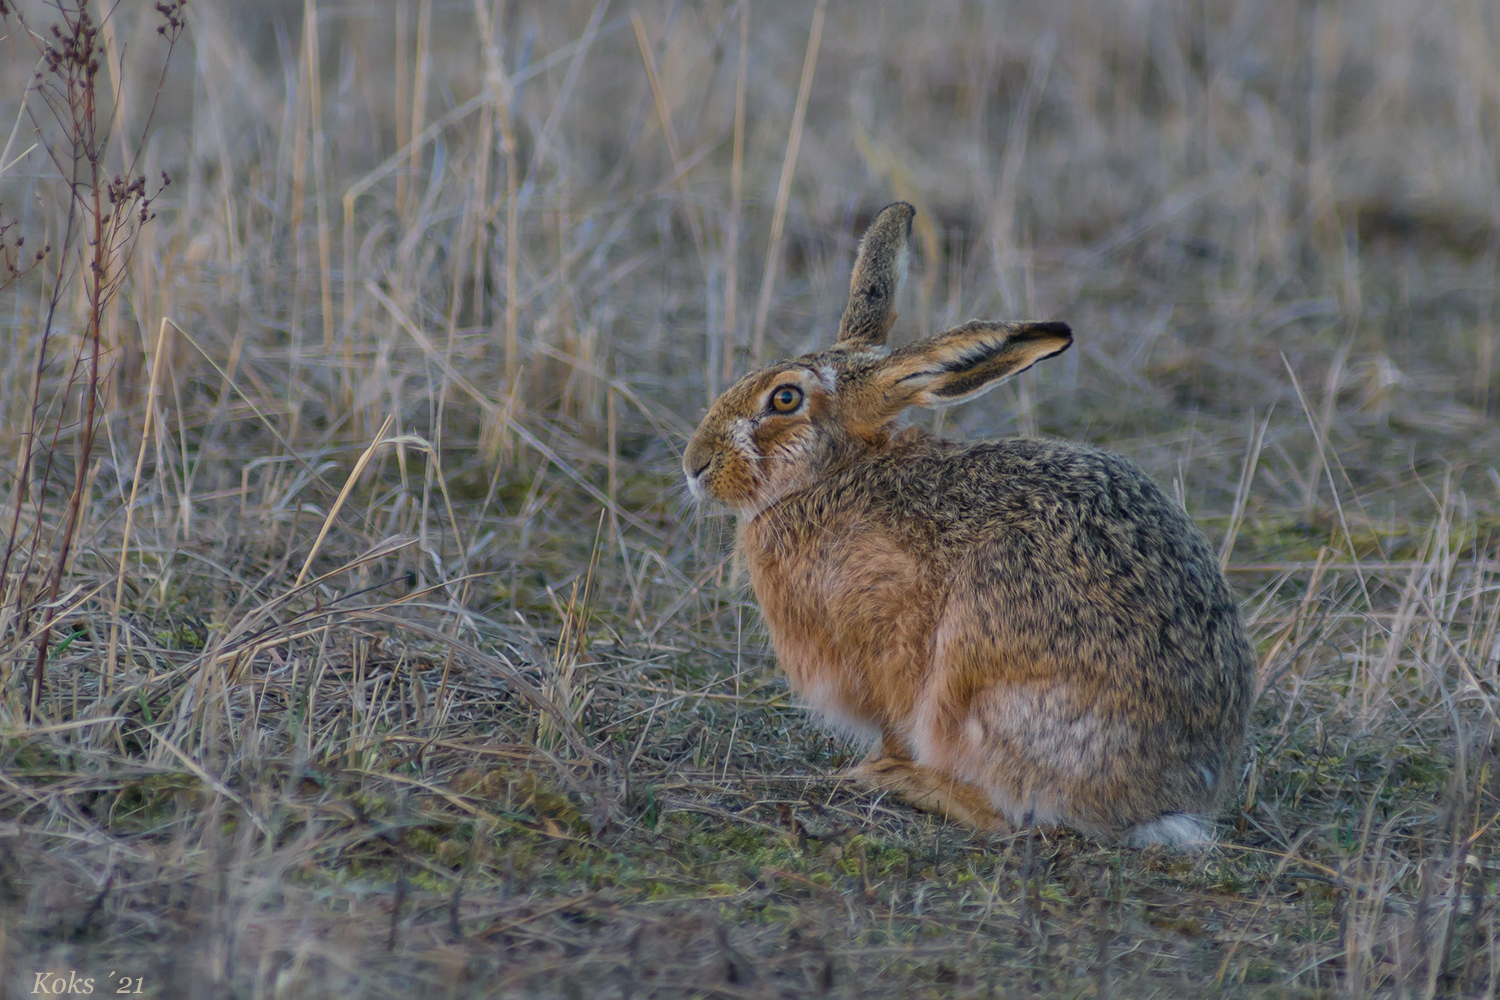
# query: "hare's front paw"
929,790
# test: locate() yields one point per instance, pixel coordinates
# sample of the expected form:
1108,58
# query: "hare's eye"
786,398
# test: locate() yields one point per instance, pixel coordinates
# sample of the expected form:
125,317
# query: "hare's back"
1095,501
1074,559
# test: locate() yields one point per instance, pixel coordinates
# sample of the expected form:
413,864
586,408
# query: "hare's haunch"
1024,629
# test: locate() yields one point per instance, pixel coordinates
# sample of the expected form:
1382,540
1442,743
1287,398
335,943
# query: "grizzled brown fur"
1023,628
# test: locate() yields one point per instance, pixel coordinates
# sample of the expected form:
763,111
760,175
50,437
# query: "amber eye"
786,398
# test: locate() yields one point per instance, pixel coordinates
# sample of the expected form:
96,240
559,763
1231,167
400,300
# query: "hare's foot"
929,790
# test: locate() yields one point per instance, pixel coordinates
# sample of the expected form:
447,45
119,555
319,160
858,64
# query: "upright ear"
966,361
879,269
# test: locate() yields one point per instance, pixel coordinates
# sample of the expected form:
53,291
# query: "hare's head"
779,427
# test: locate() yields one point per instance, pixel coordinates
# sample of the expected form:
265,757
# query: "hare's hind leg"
890,769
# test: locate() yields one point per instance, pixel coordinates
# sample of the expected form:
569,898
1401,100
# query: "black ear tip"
904,208
1049,330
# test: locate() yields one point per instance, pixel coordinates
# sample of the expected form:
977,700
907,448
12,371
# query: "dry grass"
425,681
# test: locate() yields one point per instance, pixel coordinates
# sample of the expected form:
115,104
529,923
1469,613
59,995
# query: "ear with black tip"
879,270
966,362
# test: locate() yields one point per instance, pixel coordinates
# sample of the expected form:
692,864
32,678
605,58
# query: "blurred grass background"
427,678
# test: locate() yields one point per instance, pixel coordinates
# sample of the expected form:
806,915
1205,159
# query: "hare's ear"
879,269
967,361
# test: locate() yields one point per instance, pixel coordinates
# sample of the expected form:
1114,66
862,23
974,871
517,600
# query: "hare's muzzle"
693,468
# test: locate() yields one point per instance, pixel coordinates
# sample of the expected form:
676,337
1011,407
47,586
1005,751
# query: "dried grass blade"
112,658
784,186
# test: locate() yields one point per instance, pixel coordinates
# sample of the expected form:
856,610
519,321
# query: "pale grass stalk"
579,50
1320,440
65,605
691,591
23,732
512,244
320,182
784,186
1485,362
901,175
403,86
443,701
470,216
360,713
114,61
572,647
564,319
500,85
1242,489
180,475
226,376
491,434
360,750
152,298
1403,621
485,148
7,161
333,512
1290,634
614,520
315,684
559,686
434,467
664,114
435,473
664,421
196,769
1324,50
347,317
955,277
1389,566
1325,421
210,45
1003,213
495,412
302,116
419,95
233,641
112,657
736,184
498,94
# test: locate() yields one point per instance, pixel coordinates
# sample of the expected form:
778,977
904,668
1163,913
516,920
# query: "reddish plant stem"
97,279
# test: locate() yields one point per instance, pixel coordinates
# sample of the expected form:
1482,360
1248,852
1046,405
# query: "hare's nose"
699,471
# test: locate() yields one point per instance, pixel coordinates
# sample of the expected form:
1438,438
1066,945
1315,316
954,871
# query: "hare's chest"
851,616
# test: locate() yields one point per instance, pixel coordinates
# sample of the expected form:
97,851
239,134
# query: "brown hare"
1026,630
